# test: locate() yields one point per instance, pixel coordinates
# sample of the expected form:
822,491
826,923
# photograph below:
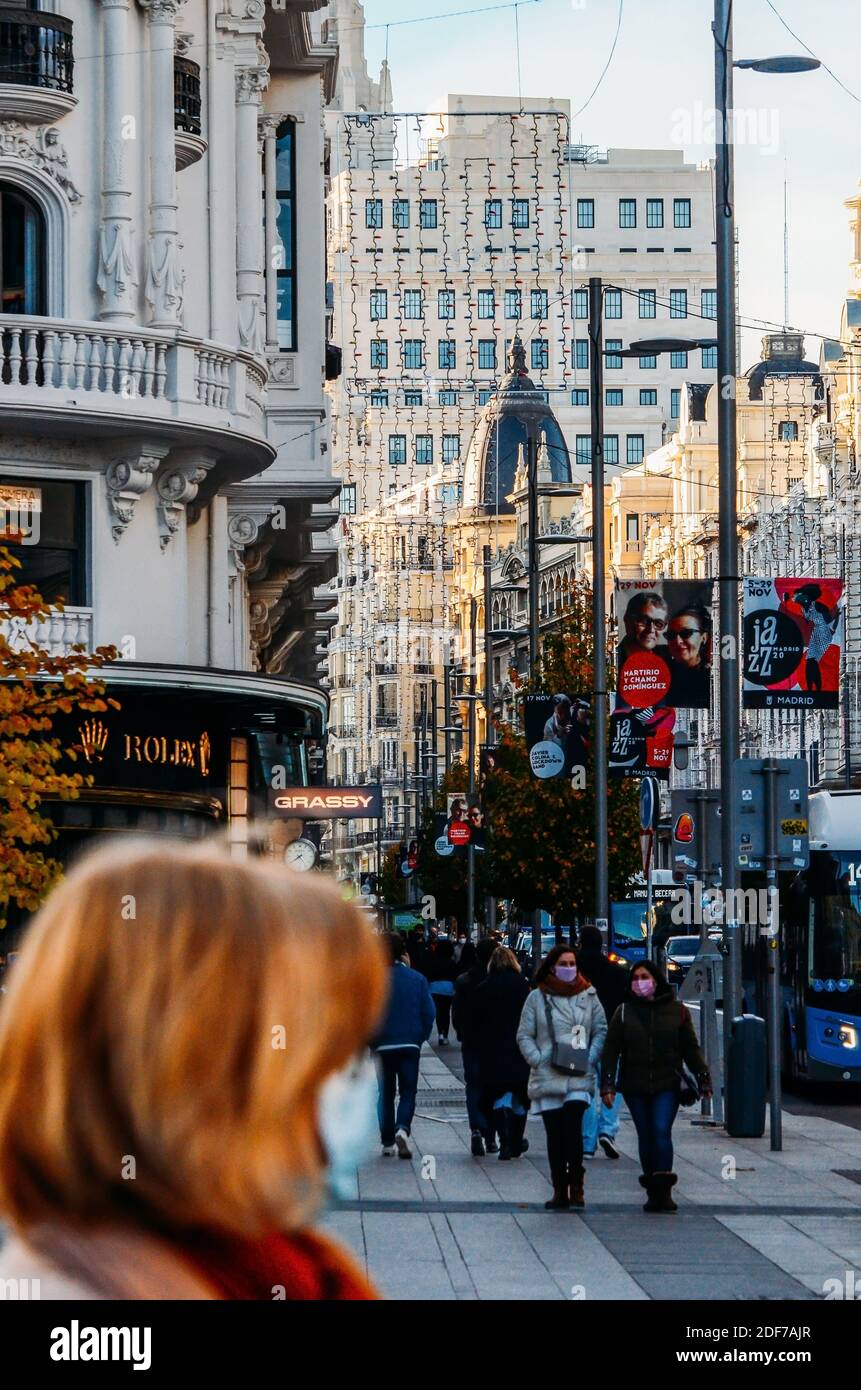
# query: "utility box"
746,1078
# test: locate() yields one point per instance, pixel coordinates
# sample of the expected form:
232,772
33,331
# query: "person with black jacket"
497,1006
463,1019
600,1124
650,1039
441,973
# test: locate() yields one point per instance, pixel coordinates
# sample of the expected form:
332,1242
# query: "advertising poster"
557,733
793,643
462,826
665,652
641,741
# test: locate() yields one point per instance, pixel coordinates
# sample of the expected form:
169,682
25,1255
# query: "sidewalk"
751,1224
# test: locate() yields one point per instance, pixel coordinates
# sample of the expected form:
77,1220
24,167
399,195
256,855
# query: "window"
513,304
412,398
450,448
675,403
379,353
632,527
348,499
581,354
424,448
413,305
709,359
614,396
612,362
611,448
379,398
540,355
648,362
708,304
448,397
414,355
787,431
486,304
379,304
484,396
493,212
654,212
612,304
285,274
538,301
636,448
681,212
374,213
678,304
579,397
520,213
678,360
648,397
583,449
627,212
445,304
647,303
580,304
400,212
56,563
585,212
487,354
397,449
446,355
428,213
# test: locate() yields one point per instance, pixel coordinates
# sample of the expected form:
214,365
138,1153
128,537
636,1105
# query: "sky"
658,93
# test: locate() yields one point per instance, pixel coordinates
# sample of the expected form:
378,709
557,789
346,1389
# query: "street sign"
649,804
696,831
646,849
792,827
705,975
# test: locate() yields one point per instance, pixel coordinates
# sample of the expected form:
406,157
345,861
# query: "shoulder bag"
566,1056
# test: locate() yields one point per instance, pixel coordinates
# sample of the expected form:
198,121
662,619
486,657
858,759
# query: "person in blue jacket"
398,1044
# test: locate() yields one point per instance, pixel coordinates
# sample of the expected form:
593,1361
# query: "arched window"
22,253
285,169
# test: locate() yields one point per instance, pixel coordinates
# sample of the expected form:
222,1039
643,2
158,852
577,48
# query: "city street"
449,1226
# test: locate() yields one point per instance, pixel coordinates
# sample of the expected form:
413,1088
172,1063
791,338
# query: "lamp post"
730,704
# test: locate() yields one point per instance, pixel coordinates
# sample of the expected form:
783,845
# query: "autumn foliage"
35,687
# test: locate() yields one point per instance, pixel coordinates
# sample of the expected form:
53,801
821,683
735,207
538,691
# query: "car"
681,954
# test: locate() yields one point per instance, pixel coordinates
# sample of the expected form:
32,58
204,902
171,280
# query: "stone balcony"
36,65
57,634
96,379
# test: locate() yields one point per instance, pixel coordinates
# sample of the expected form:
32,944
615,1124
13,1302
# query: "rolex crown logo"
94,739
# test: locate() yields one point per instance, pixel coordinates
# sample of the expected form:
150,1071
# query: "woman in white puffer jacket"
562,1008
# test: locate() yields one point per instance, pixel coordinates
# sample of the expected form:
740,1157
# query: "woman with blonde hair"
165,1045
496,1009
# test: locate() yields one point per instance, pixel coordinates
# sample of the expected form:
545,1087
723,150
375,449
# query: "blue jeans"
397,1070
653,1118
472,1080
599,1120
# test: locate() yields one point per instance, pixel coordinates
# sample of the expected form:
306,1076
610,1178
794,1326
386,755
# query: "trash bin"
746,1078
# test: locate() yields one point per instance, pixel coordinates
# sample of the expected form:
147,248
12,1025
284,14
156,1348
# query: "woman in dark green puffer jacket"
649,1039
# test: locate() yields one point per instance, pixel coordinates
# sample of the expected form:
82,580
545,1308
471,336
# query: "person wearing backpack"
650,1041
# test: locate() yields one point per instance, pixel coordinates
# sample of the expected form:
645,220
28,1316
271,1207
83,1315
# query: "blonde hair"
503,959
164,1038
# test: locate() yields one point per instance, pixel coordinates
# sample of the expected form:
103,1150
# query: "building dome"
491,460
782,356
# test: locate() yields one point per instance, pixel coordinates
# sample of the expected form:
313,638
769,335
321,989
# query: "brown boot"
578,1179
559,1201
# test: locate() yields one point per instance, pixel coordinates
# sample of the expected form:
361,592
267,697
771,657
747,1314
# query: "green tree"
35,687
541,834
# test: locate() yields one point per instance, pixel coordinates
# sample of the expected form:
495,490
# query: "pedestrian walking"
465,1026
442,972
563,1026
650,1041
497,1005
398,1044
600,1123
163,1117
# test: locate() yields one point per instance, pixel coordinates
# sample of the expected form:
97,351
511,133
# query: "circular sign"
648,803
644,680
773,646
546,759
442,846
459,833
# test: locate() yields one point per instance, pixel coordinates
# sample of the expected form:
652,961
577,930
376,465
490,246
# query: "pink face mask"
566,973
644,988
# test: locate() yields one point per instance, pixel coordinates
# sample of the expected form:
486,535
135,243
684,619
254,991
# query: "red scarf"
306,1266
551,984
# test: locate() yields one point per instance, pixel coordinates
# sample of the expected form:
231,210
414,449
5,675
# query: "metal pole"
434,757
847,713
599,617
649,894
771,771
470,853
447,713
727,499
380,845
534,616
489,730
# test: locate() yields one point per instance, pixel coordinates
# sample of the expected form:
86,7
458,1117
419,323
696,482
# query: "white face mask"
347,1119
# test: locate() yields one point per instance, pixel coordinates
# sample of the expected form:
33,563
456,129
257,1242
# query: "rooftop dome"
491,459
782,356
